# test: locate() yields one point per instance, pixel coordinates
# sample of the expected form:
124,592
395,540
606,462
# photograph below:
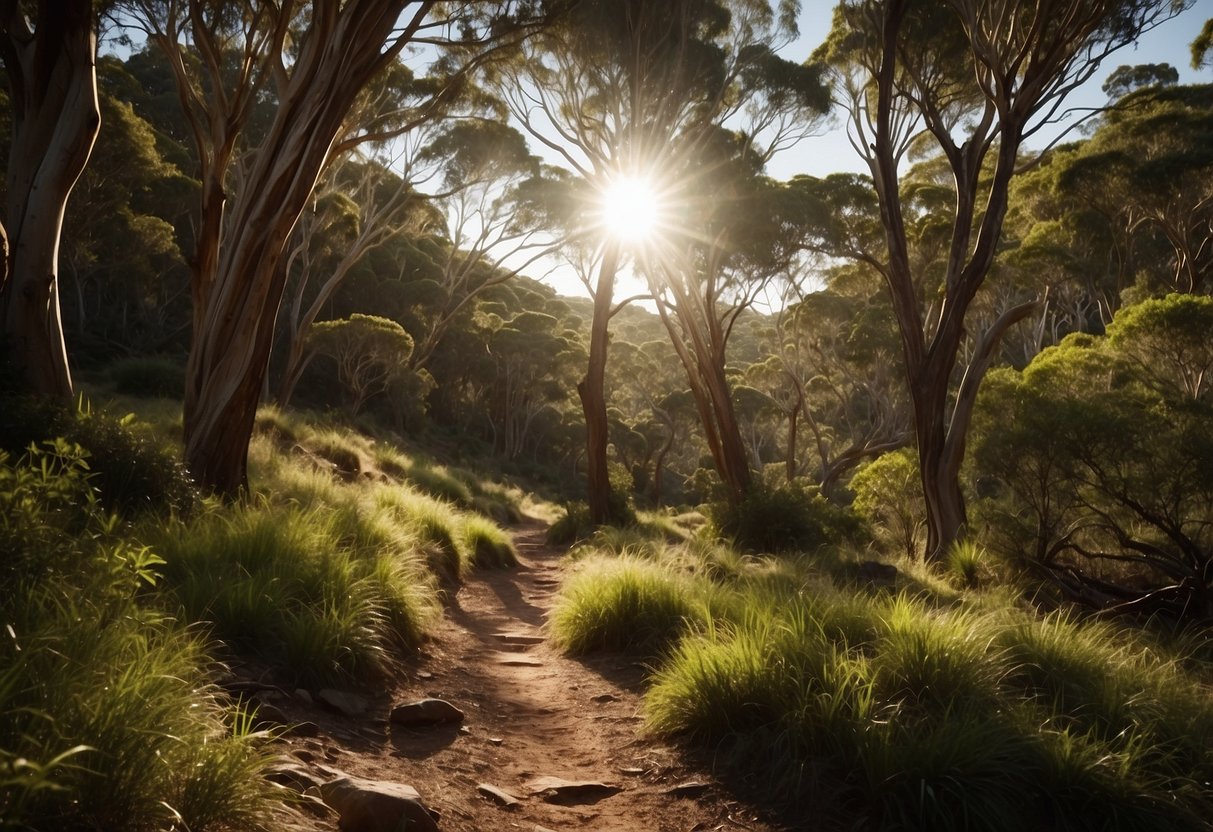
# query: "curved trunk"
592,391
52,75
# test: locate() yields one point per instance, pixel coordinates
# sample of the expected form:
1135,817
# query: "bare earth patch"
546,743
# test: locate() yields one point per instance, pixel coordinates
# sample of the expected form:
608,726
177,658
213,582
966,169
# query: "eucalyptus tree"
51,65
307,64
973,79
362,206
734,230
627,94
607,91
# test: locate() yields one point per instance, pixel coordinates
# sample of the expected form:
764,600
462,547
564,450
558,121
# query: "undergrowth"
107,720
921,707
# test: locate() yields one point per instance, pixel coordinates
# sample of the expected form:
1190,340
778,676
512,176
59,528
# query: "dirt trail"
530,713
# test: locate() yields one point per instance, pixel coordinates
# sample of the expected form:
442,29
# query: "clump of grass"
296,587
922,712
625,603
273,422
108,719
436,525
965,561
486,544
438,482
340,448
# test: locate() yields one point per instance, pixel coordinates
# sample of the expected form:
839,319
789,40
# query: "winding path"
531,713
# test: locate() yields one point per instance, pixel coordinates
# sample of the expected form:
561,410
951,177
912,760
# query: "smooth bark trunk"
592,391
52,73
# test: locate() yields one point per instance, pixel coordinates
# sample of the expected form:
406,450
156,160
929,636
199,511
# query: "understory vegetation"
914,703
127,598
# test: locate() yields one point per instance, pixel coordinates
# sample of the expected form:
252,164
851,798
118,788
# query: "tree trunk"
592,391
793,417
733,462
52,74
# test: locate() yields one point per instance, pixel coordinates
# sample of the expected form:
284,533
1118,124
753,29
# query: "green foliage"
486,544
369,351
915,718
108,721
133,473
781,519
575,524
965,560
1096,459
888,495
148,376
624,603
322,593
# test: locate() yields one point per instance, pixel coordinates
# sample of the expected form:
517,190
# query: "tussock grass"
933,710
487,545
435,525
321,593
626,603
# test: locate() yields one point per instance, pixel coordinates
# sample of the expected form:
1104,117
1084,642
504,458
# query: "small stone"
426,712
349,704
497,794
605,697
303,729
295,777
377,806
517,660
558,790
302,694
632,771
519,638
496,740
424,674
692,788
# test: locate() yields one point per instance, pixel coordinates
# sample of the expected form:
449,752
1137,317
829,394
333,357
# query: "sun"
629,209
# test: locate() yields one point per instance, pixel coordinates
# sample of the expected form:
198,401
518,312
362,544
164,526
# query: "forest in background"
976,357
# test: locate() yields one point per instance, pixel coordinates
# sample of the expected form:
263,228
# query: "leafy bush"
782,519
149,376
888,495
1096,461
106,719
133,473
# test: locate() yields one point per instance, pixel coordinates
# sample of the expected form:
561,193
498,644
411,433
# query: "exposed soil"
530,713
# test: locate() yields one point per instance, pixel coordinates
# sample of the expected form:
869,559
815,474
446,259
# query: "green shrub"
572,526
150,376
781,519
106,719
888,496
133,473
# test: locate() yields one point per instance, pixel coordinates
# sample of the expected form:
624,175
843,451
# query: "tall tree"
309,63
609,90
53,87
974,79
